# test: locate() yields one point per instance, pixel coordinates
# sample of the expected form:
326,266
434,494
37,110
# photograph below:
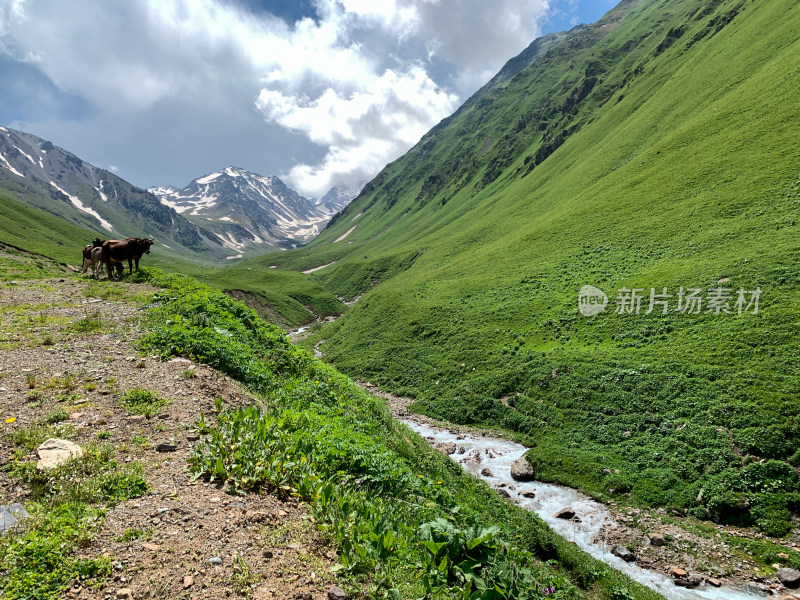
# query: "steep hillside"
249,211
41,175
652,153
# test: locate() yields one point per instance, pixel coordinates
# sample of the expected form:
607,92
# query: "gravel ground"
49,363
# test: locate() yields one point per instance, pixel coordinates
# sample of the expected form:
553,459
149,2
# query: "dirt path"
66,358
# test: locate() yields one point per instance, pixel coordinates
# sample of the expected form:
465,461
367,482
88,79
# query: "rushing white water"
476,452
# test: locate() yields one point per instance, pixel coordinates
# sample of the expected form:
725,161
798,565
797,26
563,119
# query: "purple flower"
549,591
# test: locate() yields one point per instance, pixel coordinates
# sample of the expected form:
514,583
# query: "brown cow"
87,253
130,249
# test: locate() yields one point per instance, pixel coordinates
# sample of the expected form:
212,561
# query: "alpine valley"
223,214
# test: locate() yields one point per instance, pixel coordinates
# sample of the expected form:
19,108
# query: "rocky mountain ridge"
50,178
247,210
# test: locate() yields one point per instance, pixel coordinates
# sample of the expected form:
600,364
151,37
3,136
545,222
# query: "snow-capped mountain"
245,209
338,197
43,175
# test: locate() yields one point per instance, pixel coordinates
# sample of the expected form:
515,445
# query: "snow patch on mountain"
99,190
76,202
246,209
28,156
207,178
9,167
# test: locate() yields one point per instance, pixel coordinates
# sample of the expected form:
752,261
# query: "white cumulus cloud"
324,101
363,130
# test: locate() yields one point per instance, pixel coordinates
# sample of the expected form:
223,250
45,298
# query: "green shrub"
139,401
37,564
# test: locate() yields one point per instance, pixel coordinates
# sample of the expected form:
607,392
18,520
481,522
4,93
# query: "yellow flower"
11,419
438,483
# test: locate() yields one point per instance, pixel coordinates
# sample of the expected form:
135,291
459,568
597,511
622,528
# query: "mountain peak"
247,209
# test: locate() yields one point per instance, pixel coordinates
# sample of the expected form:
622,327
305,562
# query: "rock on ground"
55,452
11,514
336,593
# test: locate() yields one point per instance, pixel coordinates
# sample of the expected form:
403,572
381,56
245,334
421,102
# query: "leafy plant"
130,535
57,416
140,401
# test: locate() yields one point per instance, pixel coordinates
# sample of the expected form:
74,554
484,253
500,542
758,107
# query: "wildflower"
438,483
358,482
11,419
549,591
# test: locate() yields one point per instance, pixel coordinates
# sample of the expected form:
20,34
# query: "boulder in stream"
564,513
446,447
522,470
690,581
623,553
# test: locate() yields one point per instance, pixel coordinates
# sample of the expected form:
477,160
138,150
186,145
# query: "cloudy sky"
320,92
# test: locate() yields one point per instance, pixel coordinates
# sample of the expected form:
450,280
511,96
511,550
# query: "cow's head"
97,242
146,243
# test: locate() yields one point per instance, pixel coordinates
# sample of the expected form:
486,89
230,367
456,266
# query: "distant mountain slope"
40,174
247,210
651,155
338,197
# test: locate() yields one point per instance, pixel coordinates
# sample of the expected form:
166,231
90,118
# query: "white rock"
55,452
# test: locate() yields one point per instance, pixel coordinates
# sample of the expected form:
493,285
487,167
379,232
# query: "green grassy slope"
407,521
678,168
287,298
35,230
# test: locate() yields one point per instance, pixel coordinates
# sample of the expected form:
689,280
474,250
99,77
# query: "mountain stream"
476,452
